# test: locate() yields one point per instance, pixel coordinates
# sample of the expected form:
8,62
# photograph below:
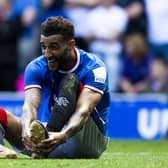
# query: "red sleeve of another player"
3,118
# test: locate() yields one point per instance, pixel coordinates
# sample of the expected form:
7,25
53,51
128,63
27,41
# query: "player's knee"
11,121
70,82
71,79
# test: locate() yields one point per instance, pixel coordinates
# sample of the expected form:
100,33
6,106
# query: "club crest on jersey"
61,101
100,74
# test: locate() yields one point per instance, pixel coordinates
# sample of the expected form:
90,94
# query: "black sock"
65,104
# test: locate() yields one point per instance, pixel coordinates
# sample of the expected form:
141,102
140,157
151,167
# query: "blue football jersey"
89,69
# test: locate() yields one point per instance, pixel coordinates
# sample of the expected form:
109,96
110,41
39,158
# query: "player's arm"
30,107
86,103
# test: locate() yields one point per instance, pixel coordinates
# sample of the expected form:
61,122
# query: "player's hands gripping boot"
38,133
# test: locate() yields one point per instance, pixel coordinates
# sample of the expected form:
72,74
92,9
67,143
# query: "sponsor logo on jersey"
100,74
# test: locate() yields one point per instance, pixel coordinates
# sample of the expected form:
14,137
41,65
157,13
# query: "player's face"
56,50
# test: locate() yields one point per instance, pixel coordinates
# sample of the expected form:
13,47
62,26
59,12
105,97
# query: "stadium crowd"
129,35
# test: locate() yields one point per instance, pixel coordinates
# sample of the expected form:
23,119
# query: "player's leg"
4,152
12,127
89,142
65,103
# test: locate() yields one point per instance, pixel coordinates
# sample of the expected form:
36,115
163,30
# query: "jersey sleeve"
96,79
33,77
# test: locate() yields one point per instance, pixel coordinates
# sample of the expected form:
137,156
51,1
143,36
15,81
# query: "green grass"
120,154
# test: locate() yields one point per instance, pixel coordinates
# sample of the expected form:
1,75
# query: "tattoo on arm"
30,107
87,101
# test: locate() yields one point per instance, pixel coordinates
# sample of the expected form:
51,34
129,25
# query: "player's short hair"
58,25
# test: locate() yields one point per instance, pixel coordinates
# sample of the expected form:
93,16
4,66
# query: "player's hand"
26,138
28,143
55,139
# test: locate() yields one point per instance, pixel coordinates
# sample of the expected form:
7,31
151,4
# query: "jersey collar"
76,65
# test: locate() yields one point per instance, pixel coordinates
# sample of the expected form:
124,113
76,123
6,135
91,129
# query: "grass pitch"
120,154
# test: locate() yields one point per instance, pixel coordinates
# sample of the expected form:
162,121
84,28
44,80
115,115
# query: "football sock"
65,103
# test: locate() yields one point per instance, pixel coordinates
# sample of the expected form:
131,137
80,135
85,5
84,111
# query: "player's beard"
65,59
61,61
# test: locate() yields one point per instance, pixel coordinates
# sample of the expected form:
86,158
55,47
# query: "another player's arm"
30,107
86,103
